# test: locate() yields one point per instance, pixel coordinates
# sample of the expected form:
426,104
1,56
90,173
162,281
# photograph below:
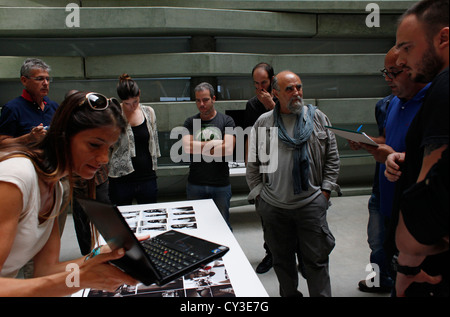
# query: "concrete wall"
169,46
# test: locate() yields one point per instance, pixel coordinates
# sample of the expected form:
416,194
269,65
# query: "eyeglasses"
99,102
390,75
41,78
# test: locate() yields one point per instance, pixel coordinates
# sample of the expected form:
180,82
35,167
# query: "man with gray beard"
293,198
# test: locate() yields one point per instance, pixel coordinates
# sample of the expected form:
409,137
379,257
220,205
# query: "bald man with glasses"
401,108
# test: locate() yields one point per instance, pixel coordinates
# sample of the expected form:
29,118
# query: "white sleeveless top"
30,236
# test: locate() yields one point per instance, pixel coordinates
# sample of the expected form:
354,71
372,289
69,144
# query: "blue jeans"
220,195
376,233
123,193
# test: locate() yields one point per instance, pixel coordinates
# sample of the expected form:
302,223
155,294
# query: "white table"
211,226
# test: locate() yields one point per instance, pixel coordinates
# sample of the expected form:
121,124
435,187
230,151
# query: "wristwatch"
408,270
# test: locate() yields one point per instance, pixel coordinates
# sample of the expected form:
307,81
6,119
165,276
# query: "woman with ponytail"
133,164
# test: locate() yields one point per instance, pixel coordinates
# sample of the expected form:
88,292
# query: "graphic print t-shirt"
213,171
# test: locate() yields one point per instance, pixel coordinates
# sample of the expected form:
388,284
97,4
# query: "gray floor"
347,218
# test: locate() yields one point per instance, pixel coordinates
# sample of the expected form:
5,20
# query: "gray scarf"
302,132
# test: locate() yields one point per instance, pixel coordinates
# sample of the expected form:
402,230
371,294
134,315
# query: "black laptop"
160,259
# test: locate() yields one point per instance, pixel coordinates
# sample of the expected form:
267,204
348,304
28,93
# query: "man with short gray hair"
26,118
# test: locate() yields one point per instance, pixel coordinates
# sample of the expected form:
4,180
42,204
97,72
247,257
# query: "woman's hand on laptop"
98,273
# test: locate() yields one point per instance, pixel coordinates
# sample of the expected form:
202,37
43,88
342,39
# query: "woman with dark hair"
83,130
134,159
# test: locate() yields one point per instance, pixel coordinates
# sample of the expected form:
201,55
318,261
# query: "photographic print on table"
161,219
210,281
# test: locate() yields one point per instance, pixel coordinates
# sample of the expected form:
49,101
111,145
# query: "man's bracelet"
408,270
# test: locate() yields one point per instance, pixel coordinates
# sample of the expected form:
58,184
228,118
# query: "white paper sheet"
355,136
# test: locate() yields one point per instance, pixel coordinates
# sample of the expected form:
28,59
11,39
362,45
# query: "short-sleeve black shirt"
425,206
216,172
429,127
253,109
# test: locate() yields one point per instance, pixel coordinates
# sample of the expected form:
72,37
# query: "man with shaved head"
292,197
401,110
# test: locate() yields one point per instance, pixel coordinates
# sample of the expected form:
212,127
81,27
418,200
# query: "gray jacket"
322,151
120,163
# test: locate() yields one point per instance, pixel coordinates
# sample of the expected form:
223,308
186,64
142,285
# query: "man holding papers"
399,114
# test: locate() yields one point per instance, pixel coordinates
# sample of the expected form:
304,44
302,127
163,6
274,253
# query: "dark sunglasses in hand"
99,102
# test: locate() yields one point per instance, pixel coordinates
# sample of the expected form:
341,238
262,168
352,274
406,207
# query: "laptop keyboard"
168,260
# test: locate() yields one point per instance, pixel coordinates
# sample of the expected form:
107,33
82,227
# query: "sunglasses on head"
99,102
